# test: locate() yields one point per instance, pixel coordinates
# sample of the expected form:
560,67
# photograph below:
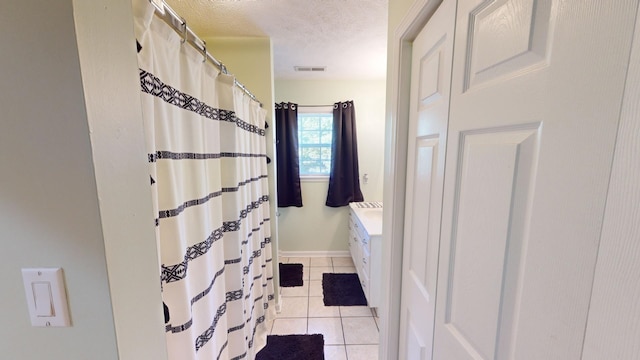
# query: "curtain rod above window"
315,109
179,25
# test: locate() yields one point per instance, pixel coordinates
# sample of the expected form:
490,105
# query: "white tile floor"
350,332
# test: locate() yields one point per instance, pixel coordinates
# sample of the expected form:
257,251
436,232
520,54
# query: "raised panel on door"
431,78
535,100
423,273
416,346
497,169
506,38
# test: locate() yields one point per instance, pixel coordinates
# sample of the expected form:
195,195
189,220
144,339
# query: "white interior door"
430,89
535,102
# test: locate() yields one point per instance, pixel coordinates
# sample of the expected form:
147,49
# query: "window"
315,131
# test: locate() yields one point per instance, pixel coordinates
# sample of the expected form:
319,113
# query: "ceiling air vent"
310,68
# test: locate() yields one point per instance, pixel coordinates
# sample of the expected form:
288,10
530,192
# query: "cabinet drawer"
354,249
364,281
358,228
365,263
365,251
366,243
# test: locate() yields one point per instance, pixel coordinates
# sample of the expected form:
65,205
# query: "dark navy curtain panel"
344,181
289,193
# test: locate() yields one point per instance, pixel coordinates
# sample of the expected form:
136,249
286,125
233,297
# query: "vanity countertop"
370,216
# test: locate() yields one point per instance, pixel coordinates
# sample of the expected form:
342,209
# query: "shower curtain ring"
204,51
184,31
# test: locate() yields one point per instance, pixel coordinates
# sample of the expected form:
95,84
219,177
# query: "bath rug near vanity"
342,290
290,275
293,347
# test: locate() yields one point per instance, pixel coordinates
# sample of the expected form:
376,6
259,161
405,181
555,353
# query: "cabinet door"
352,236
354,243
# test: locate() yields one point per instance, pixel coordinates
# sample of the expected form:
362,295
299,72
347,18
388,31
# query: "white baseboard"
339,253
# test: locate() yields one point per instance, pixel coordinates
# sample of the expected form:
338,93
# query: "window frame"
313,110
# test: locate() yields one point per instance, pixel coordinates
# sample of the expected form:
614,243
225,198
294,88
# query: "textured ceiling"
349,37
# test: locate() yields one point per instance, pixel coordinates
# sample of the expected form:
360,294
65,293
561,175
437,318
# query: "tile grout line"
375,322
308,297
344,338
332,268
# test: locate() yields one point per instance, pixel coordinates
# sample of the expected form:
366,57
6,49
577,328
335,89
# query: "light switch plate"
46,297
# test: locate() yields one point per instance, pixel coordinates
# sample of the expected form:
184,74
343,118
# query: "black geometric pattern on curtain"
289,193
344,180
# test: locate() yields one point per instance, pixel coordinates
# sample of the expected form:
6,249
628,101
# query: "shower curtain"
207,156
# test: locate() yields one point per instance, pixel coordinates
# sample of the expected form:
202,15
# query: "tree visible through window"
315,130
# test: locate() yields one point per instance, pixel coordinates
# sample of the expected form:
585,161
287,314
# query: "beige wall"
249,59
54,212
49,206
316,227
398,9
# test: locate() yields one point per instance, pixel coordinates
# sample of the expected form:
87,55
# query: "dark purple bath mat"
342,290
293,347
290,275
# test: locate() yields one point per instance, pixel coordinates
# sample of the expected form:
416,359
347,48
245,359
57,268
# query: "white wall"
53,210
316,227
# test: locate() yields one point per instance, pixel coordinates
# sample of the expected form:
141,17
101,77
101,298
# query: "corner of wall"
106,46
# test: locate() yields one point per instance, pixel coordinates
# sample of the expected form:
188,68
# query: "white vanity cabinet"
365,245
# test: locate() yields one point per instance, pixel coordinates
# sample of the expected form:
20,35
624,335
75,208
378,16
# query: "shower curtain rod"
179,25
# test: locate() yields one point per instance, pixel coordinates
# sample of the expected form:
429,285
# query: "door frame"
396,141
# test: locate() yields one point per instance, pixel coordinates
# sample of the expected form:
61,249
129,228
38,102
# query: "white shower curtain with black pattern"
207,156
